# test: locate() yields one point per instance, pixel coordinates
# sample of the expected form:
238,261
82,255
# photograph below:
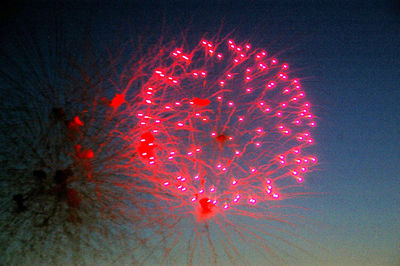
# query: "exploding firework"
222,132
177,157
64,157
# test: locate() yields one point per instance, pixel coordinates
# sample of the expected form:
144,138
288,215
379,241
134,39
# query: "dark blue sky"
348,54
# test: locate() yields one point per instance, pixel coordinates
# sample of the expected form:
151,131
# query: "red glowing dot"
206,205
201,102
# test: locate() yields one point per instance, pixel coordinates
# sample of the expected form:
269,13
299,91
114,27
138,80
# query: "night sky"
347,54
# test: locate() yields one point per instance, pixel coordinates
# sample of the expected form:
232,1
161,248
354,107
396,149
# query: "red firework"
222,132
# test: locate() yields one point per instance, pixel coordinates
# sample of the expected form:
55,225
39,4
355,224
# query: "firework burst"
64,156
223,135
173,155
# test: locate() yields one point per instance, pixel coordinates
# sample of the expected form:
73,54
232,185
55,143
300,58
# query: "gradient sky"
348,54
